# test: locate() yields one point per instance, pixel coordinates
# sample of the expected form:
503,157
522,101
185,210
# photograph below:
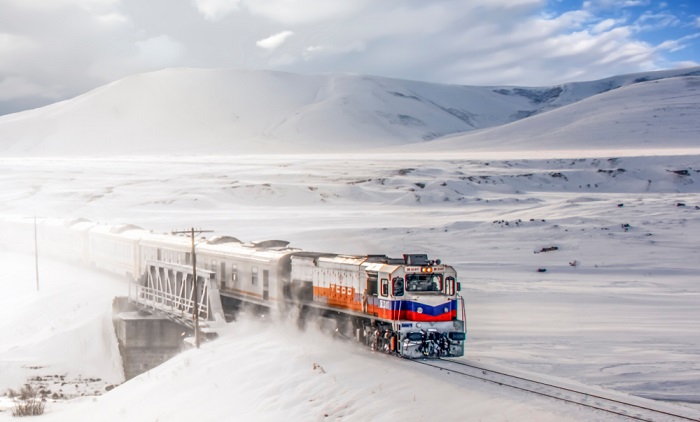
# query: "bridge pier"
158,315
145,340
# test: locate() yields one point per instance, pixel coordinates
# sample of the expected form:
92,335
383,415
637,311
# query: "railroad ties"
630,407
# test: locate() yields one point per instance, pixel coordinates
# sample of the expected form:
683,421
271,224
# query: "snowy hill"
660,114
186,111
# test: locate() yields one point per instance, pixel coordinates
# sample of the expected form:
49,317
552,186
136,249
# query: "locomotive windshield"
423,282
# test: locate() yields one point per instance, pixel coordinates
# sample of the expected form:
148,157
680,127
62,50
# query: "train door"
214,268
266,284
372,291
223,275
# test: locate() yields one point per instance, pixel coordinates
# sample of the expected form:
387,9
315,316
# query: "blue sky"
57,49
654,22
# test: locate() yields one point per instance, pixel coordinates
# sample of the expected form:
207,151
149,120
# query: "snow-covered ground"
608,172
257,370
625,317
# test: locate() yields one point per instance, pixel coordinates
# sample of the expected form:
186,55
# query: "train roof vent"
124,227
416,259
384,259
266,244
218,240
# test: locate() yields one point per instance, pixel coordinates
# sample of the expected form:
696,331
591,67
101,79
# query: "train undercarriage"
408,339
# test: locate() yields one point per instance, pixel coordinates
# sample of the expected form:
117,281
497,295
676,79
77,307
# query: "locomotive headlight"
446,309
419,310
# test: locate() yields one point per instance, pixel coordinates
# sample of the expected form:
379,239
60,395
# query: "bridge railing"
168,288
175,305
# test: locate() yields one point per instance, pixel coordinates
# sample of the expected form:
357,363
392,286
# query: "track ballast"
644,410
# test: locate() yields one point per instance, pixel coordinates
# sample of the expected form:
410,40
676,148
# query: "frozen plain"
625,317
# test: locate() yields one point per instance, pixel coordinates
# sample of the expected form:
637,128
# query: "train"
410,306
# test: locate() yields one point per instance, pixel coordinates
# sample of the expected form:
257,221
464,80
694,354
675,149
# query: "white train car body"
255,273
116,249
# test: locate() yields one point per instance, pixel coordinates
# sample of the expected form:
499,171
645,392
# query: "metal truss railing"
168,288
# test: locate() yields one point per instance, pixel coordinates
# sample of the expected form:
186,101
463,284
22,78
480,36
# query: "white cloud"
652,21
13,48
214,10
304,11
636,3
677,45
615,4
112,19
274,41
14,87
43,5
145,55
160,50
11,43
603,26
312,50
81,44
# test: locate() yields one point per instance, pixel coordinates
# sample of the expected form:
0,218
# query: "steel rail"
552,394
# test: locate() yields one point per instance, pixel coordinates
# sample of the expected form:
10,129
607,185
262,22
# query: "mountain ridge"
223,111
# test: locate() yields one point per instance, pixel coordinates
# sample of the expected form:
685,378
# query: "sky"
58,49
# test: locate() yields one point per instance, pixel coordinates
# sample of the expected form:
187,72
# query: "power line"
195,311
36,256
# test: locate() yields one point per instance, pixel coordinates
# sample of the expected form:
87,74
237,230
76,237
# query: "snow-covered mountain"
185,111
653,115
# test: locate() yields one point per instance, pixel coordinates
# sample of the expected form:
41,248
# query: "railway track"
629,407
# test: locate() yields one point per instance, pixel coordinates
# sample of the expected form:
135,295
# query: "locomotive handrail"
464,311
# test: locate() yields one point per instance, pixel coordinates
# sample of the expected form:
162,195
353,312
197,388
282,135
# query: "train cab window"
397,287
385,287
450,286
254,276
423,282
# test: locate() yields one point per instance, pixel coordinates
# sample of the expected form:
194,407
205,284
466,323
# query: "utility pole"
195,295
36,256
